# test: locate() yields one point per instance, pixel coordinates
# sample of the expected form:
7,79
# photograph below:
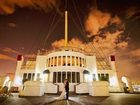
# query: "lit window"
55,61
68,60
52,62
73,61
49,62
59,61
80,61
76,61
64,61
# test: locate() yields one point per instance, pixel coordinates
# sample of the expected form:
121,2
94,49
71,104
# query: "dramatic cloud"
10,51
74,42
6,57
30,55
133,12
135,53
103,39
116,20
9,6
58,44
98,25
96,21
109,44
135,56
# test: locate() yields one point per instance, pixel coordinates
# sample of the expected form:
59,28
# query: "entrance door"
72,77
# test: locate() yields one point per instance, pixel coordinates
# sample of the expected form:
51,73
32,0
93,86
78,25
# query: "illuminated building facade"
74,64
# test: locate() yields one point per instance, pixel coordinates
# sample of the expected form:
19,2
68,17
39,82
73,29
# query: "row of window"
66,61
59,77
29,76
103,77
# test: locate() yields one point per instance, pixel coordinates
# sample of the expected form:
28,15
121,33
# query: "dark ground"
113,99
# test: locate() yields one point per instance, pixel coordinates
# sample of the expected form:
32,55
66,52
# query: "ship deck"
113,99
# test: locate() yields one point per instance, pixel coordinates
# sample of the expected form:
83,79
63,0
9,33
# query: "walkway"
113,99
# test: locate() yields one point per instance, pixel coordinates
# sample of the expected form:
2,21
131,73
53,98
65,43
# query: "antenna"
66,28
66,24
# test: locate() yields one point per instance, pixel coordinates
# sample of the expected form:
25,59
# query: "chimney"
112,58
19,57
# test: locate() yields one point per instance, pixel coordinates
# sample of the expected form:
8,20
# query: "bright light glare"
113,81
90,78
124,79
18,81
6,81
86,77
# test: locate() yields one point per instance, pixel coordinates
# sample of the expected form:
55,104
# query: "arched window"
46,75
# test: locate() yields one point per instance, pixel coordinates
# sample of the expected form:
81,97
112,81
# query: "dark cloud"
9,6
10,51
6,57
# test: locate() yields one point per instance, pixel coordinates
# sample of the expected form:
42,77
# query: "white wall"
91,65
18,75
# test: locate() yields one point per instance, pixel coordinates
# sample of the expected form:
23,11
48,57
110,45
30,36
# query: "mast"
66,28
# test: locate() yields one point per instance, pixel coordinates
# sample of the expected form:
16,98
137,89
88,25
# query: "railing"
28,67
68,48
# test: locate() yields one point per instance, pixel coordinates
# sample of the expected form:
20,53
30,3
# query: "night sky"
27,26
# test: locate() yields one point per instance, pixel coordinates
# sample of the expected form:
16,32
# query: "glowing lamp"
113,81
124,79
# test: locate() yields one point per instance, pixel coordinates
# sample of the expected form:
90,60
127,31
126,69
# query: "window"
33,76
103,77
68,61
29,76
99,76
64,61
107,77
55,61
76,61
54,77
84,62
59,77
78,77
49,62
69,76
38,76
63,76
73,61
73,77
94,77
24,76
59,61
80,61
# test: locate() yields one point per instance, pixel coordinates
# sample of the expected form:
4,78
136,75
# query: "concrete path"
113,99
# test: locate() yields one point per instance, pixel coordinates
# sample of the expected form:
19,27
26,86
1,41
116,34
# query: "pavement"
113,99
